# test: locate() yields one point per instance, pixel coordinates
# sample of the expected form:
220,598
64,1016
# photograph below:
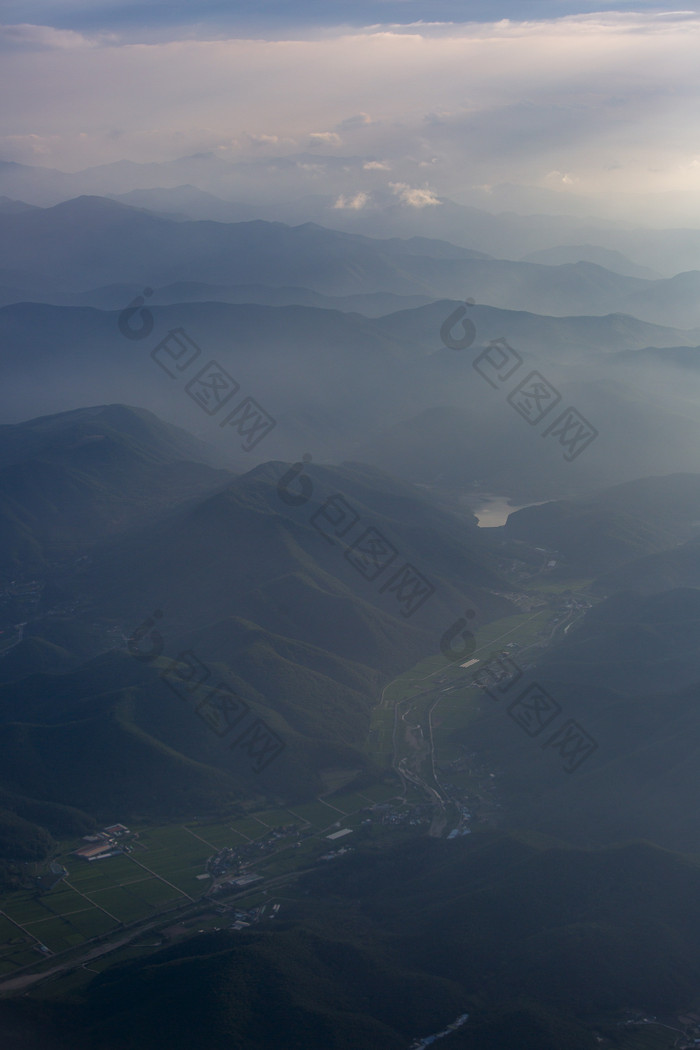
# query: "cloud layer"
603,107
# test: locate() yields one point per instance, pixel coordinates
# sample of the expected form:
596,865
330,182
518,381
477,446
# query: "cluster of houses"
106,843
337,853
400,814
239,857
230,885
687,1025
252,916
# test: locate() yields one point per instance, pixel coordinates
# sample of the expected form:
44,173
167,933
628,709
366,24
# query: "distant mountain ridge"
81,244
340,385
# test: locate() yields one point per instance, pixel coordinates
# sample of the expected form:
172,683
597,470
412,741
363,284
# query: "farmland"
157,873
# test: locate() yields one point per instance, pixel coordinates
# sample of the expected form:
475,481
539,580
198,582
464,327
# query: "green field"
23,909
288,860
15,947
381,792
172,836
86,879
155,892
96,897
8,932
455,711
522,629
249,828
219,836
57,934
122,904
275,818
349,803
380,739
161,869
558,587
175,855
17,959
159,872
91,923
317,814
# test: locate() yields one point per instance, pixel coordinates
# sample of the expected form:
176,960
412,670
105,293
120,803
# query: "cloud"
562,178
262,140
611,97
312,169
36,144
25,37
415,198
358,121
324,138
355,203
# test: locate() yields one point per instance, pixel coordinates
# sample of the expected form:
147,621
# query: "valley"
187,872
350,537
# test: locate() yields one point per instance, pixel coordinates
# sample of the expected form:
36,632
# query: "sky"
597,103
283,17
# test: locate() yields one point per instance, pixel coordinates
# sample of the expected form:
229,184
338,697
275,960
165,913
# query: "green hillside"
626,674
67,479
598,534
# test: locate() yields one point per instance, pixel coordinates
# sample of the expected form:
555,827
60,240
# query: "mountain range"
506,221
61,244
257,587
178,584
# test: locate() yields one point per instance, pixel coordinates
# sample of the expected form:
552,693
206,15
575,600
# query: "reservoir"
492,511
